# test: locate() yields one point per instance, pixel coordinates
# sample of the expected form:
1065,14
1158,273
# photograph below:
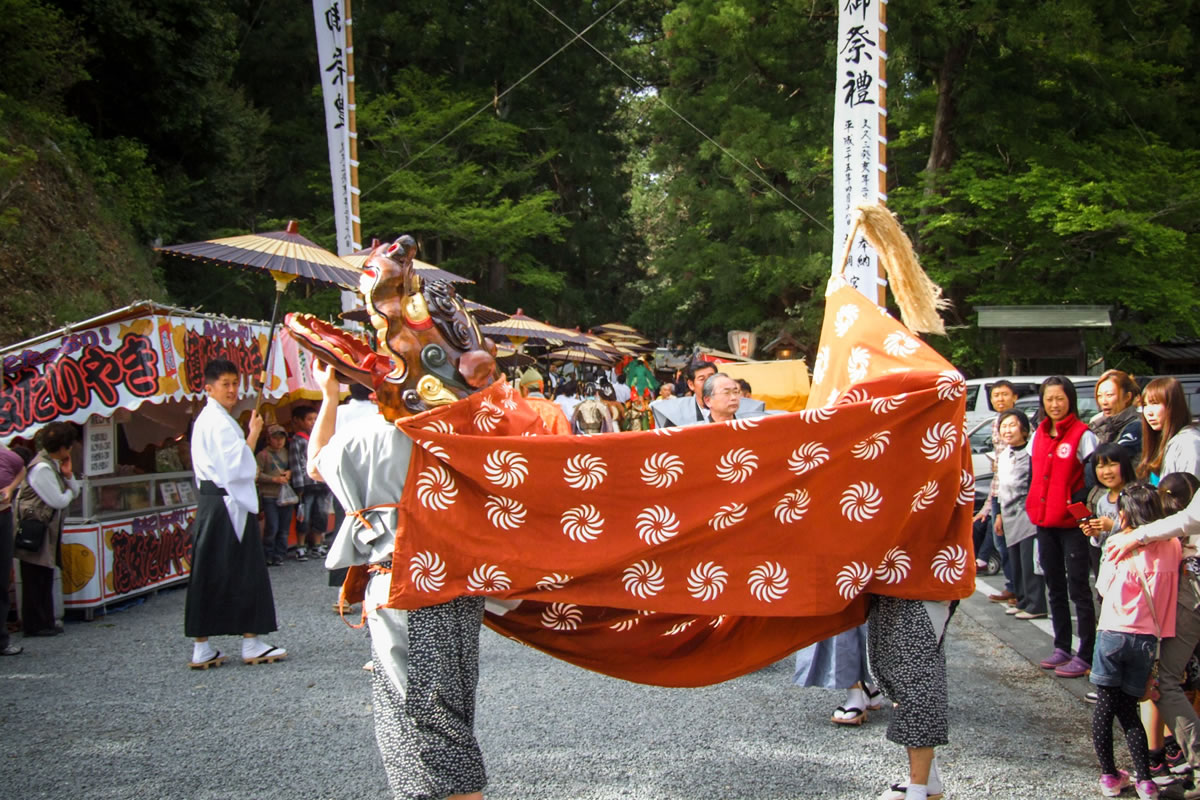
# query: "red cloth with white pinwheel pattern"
687,556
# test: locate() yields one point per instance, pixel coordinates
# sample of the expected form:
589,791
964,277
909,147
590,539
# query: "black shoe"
45,632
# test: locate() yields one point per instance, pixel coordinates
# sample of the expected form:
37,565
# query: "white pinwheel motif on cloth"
833,396
900,345
820,365
435,488
582,523
886,405
768,582
680,627
817,414
488,416
706,581
846,315
737,465
853,578
504,512
508,402
439,426
585,472
949,563
807,457
488,578
661,470
853,396
861,501
894,567
553,581
643,579
728,516
663,431
428,571
716,623
966,488
562,616
924,497
435,450
939,441
742,424
505,468
950,385
792,506
858,363
873,446
625,624
657,524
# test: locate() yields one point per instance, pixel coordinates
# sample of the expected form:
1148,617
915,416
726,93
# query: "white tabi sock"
252,647
202,651
934,782
915,792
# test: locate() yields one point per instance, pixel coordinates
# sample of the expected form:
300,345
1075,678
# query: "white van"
979,400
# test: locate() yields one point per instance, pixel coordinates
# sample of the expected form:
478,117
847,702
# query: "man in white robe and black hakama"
426,661
229,591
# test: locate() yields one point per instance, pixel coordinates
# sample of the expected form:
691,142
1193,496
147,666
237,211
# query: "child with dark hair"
1113,467
1011,483
1137,612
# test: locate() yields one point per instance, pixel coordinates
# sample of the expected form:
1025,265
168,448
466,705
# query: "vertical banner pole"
859,138
335,53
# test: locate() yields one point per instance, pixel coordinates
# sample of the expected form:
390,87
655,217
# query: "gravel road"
109,711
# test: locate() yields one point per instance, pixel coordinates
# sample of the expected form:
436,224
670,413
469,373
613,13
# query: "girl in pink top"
1130,627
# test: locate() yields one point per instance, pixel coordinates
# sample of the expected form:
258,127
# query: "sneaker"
301,554
12,650
1146,789
1056,659
1173,755
1113,785
1159,768
1091,697
1075,668
322,551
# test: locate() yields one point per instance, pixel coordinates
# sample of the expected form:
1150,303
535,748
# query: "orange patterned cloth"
552,415
687,556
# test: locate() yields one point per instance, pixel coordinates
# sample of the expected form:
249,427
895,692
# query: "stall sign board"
99,446
152,358
80,566
145,552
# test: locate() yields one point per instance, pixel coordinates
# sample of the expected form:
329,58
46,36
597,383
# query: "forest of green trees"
1041,151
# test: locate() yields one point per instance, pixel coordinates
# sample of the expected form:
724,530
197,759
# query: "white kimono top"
220,454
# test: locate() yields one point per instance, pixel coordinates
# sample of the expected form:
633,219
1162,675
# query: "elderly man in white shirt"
229,592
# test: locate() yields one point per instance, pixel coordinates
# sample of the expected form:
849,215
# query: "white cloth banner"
332,55
857,139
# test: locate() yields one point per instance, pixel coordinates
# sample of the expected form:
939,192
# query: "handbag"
31,533
287,496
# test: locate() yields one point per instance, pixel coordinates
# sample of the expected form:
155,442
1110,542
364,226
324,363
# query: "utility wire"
684,119
484,107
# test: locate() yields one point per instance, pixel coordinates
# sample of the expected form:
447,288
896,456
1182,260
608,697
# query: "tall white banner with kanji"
859,133
333,55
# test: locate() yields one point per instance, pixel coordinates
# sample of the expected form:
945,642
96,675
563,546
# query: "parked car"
979,390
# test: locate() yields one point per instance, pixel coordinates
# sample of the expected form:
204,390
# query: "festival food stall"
133,379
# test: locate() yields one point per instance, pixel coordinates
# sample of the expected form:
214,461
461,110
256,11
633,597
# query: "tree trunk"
941,150
497,275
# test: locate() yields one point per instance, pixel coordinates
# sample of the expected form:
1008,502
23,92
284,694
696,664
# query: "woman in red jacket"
1057,449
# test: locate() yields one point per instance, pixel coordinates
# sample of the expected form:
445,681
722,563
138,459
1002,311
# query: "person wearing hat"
532,389
274,475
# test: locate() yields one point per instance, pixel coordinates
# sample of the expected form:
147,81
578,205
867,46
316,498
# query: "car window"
972,396
981,437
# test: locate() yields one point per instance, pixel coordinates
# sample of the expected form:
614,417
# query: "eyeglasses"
728,393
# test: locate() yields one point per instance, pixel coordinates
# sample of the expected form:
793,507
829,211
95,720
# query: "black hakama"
229,592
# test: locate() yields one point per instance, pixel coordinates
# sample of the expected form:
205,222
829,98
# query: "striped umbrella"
427,271
520,328
583,355
484,314
285,254
615,327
